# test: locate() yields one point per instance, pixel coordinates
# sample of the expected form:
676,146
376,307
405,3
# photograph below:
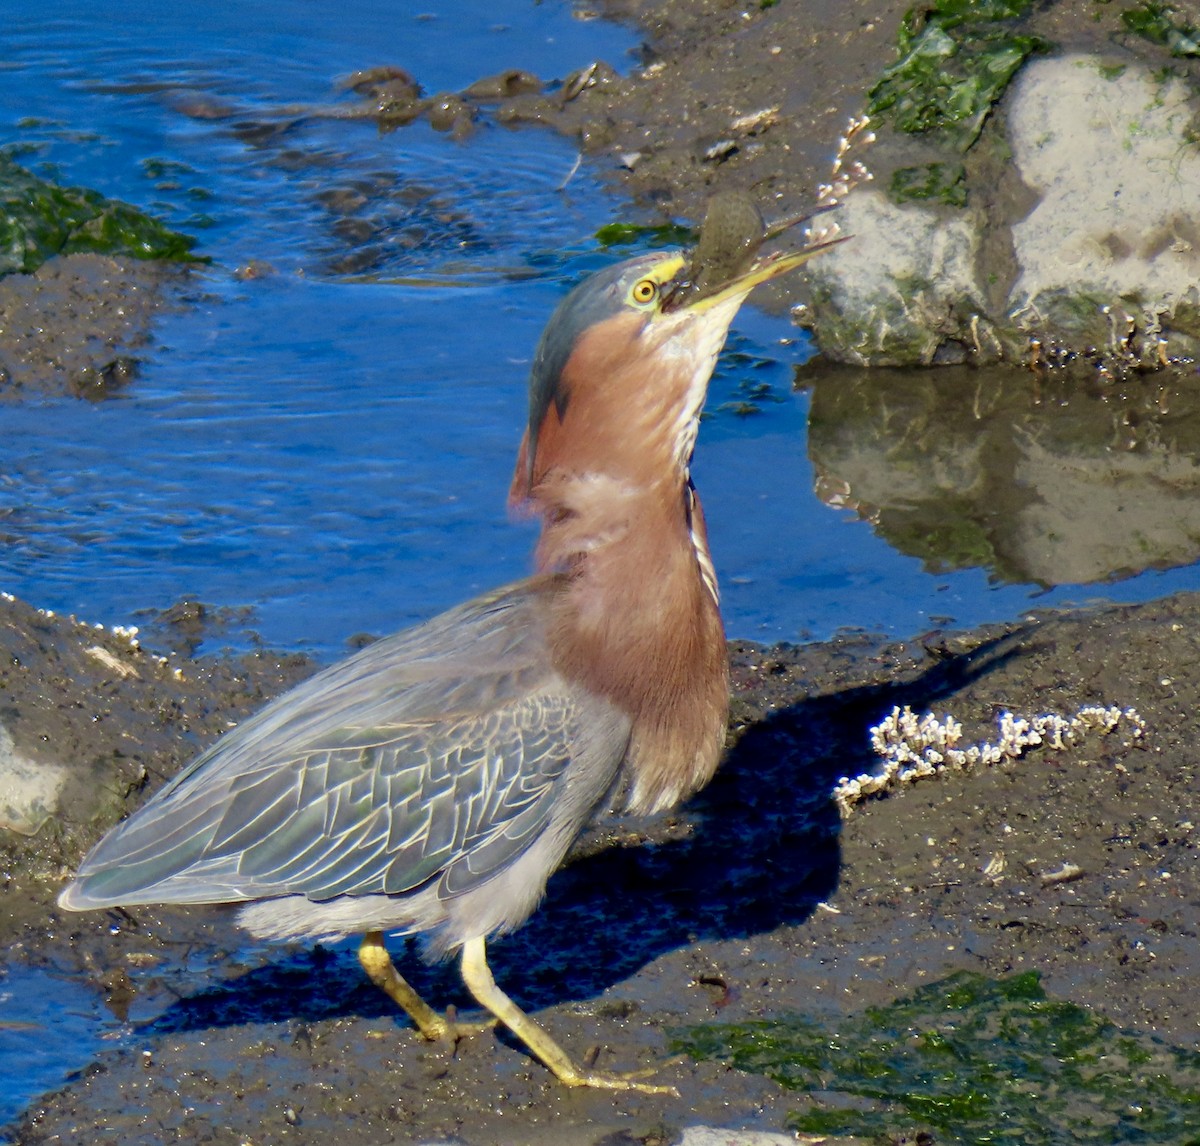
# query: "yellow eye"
645,291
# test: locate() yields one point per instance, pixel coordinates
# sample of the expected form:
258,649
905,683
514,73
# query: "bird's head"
622,368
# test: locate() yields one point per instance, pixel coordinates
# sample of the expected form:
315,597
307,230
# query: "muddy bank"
753,901
82,278
750,96
89,721
78,324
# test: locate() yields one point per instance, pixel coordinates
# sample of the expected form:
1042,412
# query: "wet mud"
755,96
755,900
78,324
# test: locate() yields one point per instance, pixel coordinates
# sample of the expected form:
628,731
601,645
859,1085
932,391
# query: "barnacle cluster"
847,173
914,747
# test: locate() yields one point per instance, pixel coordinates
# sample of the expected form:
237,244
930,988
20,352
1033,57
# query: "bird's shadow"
756,850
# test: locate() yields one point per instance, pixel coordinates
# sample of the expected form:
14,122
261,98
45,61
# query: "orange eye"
645,290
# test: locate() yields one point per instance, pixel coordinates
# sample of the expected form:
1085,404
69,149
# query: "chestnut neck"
638,622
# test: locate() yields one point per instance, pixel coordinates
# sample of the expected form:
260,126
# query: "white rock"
904,280
29,789
712,1136
1118,185
1106,261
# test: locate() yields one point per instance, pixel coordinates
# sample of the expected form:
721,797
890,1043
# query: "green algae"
628,234
39,219
937,182
1163,24
956,59
974,1060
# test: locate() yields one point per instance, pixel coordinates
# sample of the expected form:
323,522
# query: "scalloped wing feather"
434,754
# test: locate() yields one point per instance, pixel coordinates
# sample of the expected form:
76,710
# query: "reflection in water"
1052,482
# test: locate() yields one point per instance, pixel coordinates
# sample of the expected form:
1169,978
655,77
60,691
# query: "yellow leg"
377,963
478,977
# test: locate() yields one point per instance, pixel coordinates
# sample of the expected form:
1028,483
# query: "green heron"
433,782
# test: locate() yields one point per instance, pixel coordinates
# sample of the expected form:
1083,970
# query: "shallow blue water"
48,1027
332,447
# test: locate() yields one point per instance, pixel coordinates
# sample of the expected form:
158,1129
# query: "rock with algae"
1083,246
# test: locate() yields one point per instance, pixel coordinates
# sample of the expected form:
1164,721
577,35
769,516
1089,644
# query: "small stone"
29,789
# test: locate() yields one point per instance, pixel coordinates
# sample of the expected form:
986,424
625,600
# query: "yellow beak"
760,271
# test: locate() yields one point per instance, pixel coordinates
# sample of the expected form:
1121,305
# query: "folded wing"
434,755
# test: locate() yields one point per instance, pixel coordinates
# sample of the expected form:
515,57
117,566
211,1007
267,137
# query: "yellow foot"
433,1026
625,1080
454,1028
478,977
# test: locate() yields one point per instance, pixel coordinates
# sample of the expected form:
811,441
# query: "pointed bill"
760,271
